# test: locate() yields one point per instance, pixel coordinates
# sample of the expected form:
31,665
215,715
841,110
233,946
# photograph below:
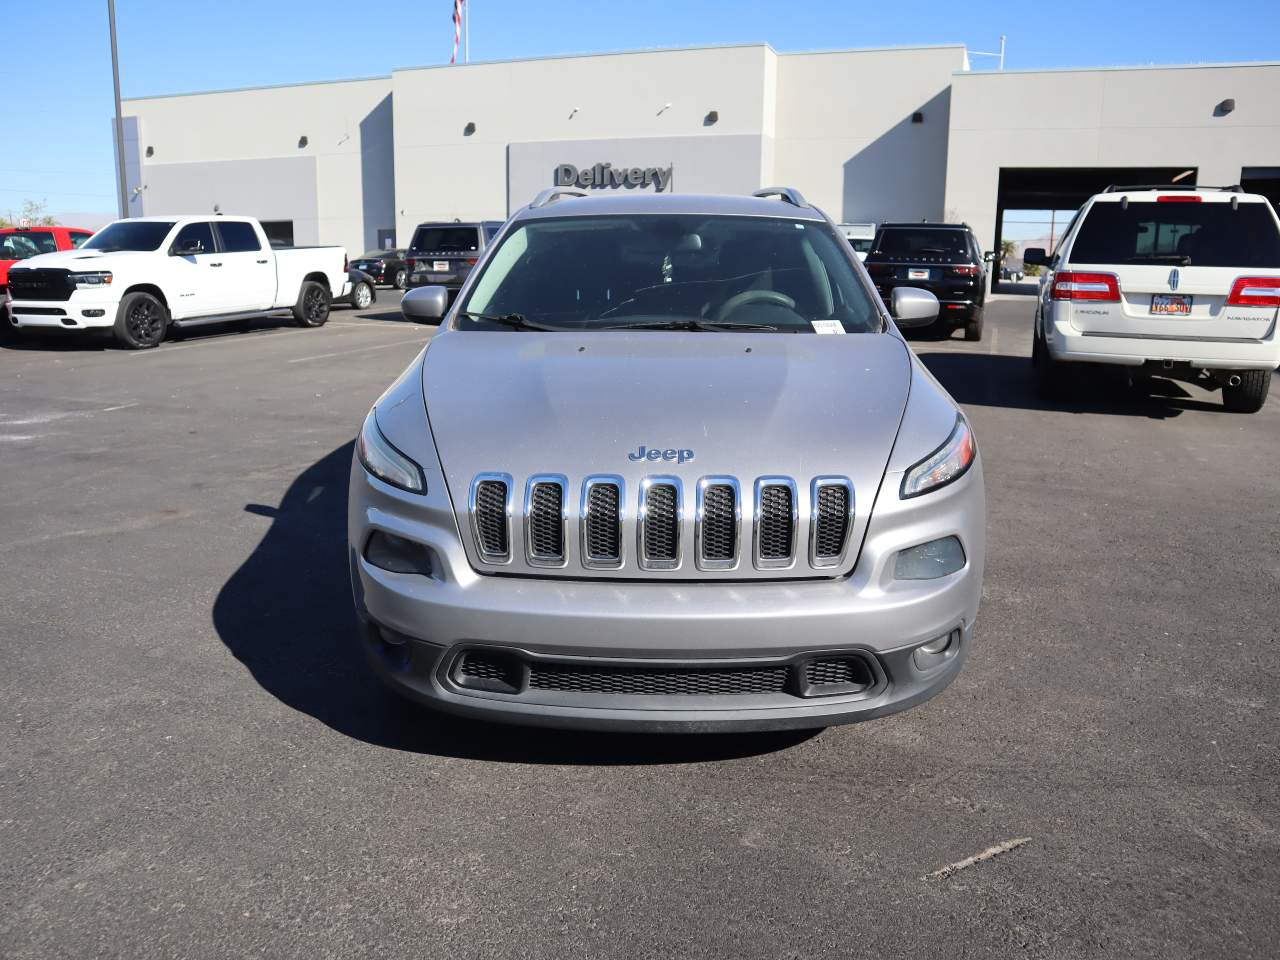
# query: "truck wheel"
973,328
401,276
312,308
140,322
1250,395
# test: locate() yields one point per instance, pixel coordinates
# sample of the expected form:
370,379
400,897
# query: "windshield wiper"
689,323
516,321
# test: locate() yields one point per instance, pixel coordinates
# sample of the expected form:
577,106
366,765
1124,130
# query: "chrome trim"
1171,336
644,562
774,564
484,555
533,559
595,480
699,512
816,485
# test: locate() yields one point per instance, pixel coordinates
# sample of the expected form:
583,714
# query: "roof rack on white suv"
552,194
1118,187
786,194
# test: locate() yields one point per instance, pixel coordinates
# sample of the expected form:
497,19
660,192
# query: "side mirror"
1035,257
913,307
425,303
989,256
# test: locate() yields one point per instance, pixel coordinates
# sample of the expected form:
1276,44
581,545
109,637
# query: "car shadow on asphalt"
287,615
1001,380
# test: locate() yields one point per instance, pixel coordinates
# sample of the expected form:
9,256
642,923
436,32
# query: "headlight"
91,281
945,465
386,462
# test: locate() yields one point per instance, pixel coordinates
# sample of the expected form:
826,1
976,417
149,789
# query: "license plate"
1170,304
914,274
440,266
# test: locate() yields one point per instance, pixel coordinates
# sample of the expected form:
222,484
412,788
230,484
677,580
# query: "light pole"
123,189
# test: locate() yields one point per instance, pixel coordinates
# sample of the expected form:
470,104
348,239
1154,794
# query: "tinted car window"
19,246
130,235
1190,234
202,232
238,236
447,239
921,242
600,272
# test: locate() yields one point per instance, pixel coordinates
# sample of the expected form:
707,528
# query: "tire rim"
313,307
400,275
144,323
363,297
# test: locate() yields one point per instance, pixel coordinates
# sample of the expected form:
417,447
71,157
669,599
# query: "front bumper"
73,314
1067,343
414,627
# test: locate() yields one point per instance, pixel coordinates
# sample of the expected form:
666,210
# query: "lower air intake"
657,681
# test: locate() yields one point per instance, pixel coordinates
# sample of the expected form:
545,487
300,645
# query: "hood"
74,259
745,405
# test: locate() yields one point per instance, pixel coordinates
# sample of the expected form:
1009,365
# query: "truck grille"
604,525
832,501
775,522
545,519
602,522
37,284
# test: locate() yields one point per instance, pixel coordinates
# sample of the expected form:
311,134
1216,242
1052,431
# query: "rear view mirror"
913,307
1035,257
425,303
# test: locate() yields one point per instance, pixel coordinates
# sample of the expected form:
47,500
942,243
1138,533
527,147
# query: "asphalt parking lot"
194,760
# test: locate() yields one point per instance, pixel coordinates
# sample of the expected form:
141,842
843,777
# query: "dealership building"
906,133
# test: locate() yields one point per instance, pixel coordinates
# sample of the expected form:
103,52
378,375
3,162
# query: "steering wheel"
752,296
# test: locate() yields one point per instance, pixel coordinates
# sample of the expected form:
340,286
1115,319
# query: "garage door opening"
1034,205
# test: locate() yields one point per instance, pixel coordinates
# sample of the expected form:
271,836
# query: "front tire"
312,308
141,322
1250,395
361,296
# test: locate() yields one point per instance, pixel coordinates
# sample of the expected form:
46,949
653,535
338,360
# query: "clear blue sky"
56,132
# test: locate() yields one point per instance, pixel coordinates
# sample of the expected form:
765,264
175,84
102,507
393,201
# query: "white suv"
1183,282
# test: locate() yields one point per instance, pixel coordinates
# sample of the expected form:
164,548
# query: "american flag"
457,28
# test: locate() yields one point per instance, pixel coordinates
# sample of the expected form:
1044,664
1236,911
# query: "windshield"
667,270
19,246
1186,234
130,235
921,242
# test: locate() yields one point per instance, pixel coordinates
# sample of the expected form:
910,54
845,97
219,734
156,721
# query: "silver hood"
746,405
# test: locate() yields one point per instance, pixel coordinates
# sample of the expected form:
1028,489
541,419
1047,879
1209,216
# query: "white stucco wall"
1139,117
239,149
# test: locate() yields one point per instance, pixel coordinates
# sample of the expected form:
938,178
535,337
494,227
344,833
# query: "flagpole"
466,31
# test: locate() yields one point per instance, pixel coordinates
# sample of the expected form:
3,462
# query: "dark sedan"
385,266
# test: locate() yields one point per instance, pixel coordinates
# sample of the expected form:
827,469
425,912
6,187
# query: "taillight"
1070,285
346,264
965,271
411,265
1255,292
472,261
880,269
1180,198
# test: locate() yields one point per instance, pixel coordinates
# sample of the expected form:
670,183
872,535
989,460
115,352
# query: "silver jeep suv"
667,465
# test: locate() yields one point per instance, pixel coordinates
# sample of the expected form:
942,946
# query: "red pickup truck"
19,243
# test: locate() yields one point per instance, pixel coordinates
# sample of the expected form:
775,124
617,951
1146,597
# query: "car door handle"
264,261
215,264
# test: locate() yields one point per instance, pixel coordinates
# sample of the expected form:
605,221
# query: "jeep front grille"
660,519
491,516
602,522
776,521
831,499
544,536
544,516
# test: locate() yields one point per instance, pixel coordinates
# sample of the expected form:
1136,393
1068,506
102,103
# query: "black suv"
943,258
442,254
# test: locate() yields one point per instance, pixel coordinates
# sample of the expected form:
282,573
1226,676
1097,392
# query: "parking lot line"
344,353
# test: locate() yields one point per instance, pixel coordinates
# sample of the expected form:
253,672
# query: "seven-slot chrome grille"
768,537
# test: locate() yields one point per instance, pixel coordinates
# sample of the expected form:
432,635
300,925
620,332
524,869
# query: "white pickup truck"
143,276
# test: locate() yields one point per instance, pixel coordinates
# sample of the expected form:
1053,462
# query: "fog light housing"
396,554
929,561
92,313
937,651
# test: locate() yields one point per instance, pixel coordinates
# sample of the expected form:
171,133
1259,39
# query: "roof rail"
552,194
1117,188
786,194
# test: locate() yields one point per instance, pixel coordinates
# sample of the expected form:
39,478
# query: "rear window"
238,236
19,246
922,242
447,239
1182,234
